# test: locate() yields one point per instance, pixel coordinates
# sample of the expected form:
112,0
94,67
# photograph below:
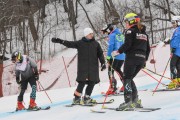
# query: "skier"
89,51
137,49
116,39
26,72
175,50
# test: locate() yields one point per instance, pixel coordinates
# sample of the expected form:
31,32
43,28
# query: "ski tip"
112,100
97,111
104,107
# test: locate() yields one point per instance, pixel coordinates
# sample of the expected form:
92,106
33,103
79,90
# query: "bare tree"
65,6
72,17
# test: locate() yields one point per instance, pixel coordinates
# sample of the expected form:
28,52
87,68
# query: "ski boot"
88,100
33,105
125,106
175,83
137,103
20,106
76,101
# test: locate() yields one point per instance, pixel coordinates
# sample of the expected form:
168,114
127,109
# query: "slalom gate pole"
152,77
110,85
45,91
66,72
157,74
161,77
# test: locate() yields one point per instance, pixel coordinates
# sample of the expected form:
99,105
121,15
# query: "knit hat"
87,31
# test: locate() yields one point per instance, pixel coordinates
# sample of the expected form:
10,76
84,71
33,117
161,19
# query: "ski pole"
157,73
153,77
66,72
161,77
110,84
154,63
45,91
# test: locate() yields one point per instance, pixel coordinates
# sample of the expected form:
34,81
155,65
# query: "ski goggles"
173,22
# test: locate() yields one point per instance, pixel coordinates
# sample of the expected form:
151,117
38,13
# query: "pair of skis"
29,110
91,104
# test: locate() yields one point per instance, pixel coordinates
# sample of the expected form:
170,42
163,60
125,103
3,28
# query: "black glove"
57,40
103,67
18,81
144,66
36,77
173,50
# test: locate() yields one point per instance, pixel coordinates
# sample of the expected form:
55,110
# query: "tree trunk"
105,11
65,6
114,13
151,23
88,17
88,1
33,30
1,74
72,17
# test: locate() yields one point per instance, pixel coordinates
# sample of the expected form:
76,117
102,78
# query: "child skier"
26,72
116,39
89,51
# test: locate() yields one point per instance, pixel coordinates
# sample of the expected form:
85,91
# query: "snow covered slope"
168,101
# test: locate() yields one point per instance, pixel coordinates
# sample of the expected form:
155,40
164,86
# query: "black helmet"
15,55
108,28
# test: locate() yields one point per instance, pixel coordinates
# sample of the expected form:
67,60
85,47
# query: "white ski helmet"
176,19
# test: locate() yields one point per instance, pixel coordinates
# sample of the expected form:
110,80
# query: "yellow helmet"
132,18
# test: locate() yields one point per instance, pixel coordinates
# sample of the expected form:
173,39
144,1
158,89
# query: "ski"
91,104
135,109
98,111
110,95
39,108
28,110
88,105
164,90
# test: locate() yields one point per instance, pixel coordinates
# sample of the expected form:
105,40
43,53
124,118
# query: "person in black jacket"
89,51
137,49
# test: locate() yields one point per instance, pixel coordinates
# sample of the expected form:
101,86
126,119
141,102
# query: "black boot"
88,100
76,100
137,103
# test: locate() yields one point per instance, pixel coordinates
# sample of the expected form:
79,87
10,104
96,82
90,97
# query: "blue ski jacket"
175,41
116,40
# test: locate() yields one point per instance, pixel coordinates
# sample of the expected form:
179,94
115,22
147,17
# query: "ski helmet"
15,55
132,18
176,20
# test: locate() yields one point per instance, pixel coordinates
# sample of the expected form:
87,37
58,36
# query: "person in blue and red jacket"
116,40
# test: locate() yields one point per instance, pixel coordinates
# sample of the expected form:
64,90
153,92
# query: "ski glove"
173,50
114,53
57,40
103,67
36,77
18,80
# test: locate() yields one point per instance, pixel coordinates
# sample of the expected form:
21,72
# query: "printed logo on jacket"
141,36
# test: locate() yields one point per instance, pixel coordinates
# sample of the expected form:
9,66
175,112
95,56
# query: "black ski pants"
24,85
175,66
89,88
116,65
131,68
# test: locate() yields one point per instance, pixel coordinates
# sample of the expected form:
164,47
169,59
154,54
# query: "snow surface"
168,101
